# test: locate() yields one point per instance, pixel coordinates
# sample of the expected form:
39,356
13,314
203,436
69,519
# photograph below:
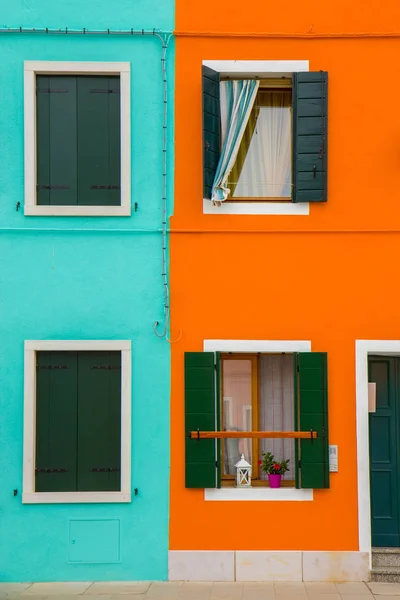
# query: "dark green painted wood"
201,470
312,385
56,418
217,360
310,130
211,127
56,139
99,421
99,141
43,138
384,447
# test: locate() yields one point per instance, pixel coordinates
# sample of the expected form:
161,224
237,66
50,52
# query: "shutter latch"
314,171
312,435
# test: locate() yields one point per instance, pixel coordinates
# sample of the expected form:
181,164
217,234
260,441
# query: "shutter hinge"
298,368
105,469
216,464
105,187
299,465
106,367
51,470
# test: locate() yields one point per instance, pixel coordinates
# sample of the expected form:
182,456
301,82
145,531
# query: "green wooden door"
384,428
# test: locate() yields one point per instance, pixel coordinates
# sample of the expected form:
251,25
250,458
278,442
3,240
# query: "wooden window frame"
29,495
33,68
229,480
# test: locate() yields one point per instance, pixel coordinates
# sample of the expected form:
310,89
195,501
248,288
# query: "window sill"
256,208
259,494
75,497
76,211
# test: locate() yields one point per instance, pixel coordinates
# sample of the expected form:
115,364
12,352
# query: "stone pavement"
174,590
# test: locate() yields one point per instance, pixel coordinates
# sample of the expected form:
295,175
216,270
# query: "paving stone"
316,587
13,588
70,588
353,587
384,589
226,591
117,588
290,589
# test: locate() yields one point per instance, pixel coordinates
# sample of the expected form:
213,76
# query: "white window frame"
262,69
259,493
29,495
33,68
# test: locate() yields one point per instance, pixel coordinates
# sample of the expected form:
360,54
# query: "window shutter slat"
56,414
201,410
99,162
312,398
211,127
56,140
310,130
99,421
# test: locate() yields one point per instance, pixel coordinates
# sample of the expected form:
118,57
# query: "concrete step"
386,574
386,557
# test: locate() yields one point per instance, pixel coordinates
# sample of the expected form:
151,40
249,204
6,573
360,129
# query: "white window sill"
256,208
74,497
76,211
257,494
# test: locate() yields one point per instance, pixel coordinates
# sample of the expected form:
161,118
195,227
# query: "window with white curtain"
258,395
263,167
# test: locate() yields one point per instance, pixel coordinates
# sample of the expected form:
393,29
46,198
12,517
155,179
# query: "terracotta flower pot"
274,480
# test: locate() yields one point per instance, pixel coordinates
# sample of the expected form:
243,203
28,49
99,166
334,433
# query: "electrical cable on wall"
164,37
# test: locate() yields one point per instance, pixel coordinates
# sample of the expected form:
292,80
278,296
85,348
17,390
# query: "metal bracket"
312,435
51,470
105,470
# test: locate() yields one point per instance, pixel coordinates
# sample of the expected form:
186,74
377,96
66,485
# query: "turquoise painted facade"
86,278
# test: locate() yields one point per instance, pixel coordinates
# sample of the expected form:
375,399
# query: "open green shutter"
56,415
211,127
99,421
99,130
310,129
312,397
56,122
202,413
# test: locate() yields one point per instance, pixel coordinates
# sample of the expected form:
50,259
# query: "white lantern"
243,473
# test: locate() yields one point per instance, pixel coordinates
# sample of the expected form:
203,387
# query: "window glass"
263,165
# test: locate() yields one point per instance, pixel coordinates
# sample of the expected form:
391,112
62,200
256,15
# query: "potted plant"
273,468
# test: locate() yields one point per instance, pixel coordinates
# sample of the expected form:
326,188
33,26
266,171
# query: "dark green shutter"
310,129
56,414
211,127
201,412
311,379
56,140
99,153
99,421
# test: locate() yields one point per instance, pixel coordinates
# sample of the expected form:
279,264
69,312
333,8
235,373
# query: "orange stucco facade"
329,277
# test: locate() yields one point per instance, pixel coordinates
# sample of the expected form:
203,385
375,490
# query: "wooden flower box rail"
253,434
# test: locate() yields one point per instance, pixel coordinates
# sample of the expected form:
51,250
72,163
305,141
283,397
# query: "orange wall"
330,277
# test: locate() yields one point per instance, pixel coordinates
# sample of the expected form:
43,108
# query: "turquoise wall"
86,278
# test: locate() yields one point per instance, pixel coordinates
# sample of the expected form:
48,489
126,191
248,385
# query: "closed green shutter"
312,397
202,413
211,127
56,140
99,146
99,421
310,129
56,414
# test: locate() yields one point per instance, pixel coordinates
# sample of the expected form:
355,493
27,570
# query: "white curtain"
277,406
237,100
266,171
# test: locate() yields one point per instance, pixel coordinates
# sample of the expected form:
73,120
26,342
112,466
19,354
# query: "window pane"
263,165
277,407
237,411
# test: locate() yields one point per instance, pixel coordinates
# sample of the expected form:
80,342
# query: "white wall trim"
29,496
260,68
257,346
33,68
259,494
256,208
264,69
363,349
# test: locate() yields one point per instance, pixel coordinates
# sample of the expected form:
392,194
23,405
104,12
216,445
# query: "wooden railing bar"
252,434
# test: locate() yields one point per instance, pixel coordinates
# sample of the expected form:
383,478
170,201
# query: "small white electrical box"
333,459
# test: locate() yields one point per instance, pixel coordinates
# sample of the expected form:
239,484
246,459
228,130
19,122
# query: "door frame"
363,349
